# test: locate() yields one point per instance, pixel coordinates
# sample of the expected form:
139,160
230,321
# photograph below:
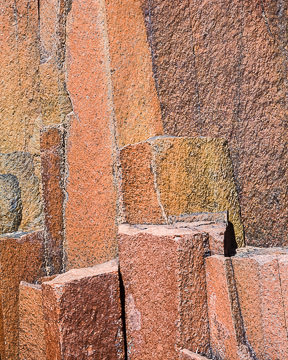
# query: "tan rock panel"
55,102
90,210
53,167
188,355
31,323
137,108
163,273
21,259
83,314
10,204
221,71
168,176
21,165
19,58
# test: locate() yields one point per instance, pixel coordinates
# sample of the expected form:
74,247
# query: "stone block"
52,161
31,323
262,298
21,165
91,206
10,204
188,355
227,335
168,176
21,259
136,104
83,314
163,272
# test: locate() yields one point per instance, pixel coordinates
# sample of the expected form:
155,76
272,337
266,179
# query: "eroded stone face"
168,176
221,71
21,165
10,204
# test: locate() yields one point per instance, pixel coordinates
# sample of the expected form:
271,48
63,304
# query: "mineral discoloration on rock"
188,355
165,290
84,304
10,204
21,259
171,176
90,210
221,71
21,165
31,323
136,104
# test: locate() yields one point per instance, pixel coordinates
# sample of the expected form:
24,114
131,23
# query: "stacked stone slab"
163,272
166,176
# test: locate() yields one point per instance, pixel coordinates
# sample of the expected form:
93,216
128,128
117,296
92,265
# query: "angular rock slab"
188,355
21,165
83,314
10,204
163,272
53,168
21,259
263,299
31,323
166,176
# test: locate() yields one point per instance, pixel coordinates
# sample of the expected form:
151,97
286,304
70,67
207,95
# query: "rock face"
221,71
83,314
10,204
163,274
21,165
167,176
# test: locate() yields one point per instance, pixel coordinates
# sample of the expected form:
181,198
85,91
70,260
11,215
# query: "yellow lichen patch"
196,175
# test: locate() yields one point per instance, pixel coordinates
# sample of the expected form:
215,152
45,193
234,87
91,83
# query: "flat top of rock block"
78,274
182,228
249,251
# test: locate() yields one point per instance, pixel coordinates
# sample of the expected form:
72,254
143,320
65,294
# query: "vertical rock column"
90,212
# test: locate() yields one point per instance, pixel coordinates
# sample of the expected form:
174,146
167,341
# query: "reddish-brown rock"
227,334
52,161
21,259
221,71
262,297
31,323
82,314
163,272
90,211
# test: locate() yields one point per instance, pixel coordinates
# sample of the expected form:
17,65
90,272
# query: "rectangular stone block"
227,334
163,272
91,206
31,323
83,314
165,177
262,297
21,259
53,167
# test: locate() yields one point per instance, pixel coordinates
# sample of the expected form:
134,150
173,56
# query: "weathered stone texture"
52,161
83,314
163,272
262,297
31,323
21,259
10,204
168,176
19,91
55,102
21,165
91,193
188,355
221,71
136,104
